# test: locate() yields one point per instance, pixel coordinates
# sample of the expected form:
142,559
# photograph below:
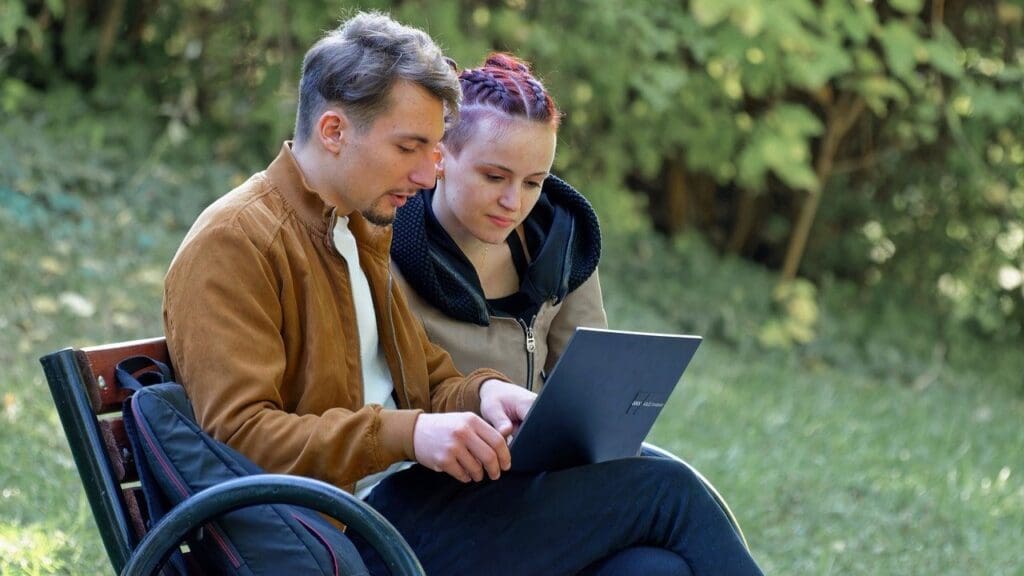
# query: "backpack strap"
134,373
137,371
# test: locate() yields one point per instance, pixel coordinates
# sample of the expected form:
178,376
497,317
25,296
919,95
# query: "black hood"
563,237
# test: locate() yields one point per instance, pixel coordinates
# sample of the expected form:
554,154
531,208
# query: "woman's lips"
501,222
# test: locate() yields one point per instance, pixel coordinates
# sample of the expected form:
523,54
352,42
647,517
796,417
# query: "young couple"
314,343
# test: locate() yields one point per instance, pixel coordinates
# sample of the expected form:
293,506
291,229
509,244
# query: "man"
297,348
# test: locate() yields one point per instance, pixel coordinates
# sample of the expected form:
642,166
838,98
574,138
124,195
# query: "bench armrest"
272,489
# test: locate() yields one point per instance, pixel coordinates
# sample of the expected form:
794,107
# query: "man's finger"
501,450
455,470
483,449
498,442
471,466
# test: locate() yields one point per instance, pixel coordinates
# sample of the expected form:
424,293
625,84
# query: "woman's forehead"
522,147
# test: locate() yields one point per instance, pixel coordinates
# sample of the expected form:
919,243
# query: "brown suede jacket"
259,319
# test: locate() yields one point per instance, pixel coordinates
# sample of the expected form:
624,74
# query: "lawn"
831,469
837,474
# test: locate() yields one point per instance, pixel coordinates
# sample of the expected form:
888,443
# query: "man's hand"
460,444
505,405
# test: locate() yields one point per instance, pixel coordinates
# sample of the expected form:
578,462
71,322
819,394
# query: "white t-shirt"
377,384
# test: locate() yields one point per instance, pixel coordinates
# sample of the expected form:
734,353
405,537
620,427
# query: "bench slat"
98,364
138,514
119,450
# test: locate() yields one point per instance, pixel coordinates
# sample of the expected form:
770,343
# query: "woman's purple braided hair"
503,83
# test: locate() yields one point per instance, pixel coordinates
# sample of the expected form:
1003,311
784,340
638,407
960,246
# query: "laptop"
601,399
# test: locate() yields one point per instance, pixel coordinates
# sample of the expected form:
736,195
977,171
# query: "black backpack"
176,459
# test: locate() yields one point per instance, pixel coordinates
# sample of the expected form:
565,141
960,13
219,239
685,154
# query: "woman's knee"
645,560
667,472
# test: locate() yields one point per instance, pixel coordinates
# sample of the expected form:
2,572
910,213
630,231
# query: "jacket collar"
287,178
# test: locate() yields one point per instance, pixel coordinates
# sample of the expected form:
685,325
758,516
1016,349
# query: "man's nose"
424,174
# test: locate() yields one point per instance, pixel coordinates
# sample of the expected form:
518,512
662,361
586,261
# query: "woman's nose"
509,199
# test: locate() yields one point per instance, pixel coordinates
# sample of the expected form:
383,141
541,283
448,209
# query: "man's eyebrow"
417,137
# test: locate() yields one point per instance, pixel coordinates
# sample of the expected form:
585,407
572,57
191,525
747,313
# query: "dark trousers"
599,519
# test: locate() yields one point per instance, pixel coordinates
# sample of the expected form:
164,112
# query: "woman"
500,259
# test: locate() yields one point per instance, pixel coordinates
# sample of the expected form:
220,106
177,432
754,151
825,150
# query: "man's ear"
331,129
439,153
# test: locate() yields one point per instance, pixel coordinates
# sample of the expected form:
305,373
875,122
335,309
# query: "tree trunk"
840,118
676,201
745,218
108,32
938,12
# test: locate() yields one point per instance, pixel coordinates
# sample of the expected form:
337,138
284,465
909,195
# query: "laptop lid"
601,399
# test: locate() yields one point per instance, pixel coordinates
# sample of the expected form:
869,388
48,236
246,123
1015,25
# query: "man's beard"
379,216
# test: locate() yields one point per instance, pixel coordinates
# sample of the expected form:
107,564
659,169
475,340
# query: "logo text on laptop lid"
644,400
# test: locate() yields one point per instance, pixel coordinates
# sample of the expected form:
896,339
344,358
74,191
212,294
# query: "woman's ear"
331,130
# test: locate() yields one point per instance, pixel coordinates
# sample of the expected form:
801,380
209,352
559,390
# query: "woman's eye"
494,177
406,149
533,185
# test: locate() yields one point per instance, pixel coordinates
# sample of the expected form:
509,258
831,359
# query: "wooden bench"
89,399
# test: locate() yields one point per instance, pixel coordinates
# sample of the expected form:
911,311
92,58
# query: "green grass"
73,285
832,473
831,468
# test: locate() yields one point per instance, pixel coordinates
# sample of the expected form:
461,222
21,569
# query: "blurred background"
830,191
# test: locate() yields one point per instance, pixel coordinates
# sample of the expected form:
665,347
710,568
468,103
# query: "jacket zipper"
394,339
531,347
391,322
329,240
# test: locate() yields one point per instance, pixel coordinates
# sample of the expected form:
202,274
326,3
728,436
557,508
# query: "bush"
900,119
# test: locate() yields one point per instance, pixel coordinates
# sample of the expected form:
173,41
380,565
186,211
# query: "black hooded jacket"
563,237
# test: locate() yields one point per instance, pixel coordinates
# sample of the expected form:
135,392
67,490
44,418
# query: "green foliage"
929,442
943,209
668,283
748,92
796,301
852,102
114,142
881,334
779,144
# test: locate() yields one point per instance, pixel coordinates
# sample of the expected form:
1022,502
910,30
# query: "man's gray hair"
355,66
